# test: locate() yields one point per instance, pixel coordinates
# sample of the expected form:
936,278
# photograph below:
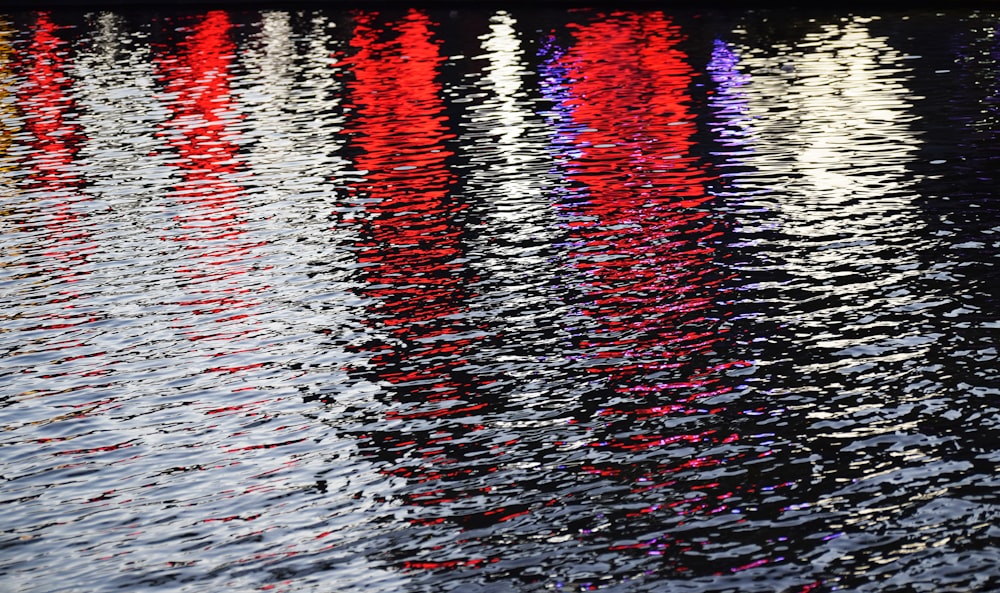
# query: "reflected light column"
821,155
641,229
211,225
55,139
507,174
8,111
414,277
831,143
54,217
649,334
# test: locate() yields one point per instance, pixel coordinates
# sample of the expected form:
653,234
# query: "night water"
514,300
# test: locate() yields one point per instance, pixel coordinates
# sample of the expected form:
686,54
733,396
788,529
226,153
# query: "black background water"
431,300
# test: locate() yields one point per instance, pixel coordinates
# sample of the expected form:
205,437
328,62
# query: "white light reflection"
509,162
292,100
294,180
508,148
508,183
503,50
830,143
125,155
125,165
291,96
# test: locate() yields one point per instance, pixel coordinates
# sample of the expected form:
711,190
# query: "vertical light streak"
417,281
211,226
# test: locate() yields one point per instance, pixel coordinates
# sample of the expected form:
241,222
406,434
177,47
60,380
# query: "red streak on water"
410,240
212,219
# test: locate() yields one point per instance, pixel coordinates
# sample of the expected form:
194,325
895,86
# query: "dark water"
499,301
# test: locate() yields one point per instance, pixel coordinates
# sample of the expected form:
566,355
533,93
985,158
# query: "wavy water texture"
498,300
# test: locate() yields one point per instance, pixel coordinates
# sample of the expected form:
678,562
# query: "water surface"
431,300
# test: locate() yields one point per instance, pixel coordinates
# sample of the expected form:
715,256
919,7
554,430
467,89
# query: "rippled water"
499,301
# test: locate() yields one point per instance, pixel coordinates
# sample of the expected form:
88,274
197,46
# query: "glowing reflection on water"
820,142
416,283
829,176
502,299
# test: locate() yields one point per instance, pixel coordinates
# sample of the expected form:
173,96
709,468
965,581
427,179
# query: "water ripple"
498,300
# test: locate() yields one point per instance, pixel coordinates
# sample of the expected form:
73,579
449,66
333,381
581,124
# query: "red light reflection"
218,279
640,226
641,236
58,224
211,226
411,248
55,140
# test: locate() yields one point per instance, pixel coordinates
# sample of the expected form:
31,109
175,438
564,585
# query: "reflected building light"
849,120
730,108
732,128
223,316
740,194
114,88
509,181
10,125
637,216
290,143
416,281
53,186
508,177
644,274
832,141
503,50
275,50
291,100
554,89
14,246
265,96
124,155
52,220
211,220
8,108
